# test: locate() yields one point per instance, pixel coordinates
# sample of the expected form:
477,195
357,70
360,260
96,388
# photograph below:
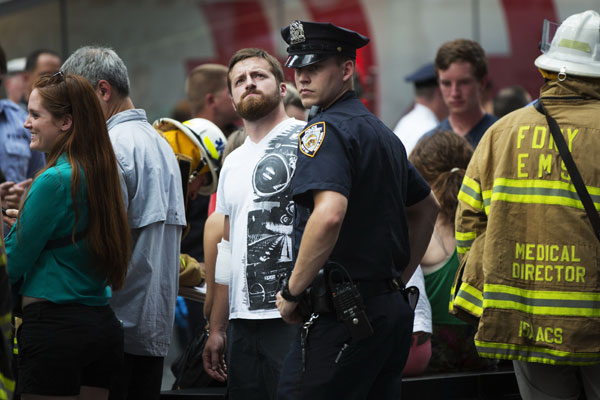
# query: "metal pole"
475,20
64,30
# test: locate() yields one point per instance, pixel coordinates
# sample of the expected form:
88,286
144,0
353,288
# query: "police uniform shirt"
348,150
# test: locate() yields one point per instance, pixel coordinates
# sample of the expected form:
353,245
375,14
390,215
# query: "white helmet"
574,47
200,142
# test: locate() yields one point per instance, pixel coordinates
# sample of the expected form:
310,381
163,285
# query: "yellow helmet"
198,145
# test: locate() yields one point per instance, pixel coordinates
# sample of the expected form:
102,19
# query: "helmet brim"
578,69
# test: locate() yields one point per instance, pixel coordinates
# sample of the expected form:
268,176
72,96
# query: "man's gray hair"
99,63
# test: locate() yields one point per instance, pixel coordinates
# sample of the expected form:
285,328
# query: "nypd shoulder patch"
311,138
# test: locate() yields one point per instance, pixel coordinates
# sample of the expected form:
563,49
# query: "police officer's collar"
350,94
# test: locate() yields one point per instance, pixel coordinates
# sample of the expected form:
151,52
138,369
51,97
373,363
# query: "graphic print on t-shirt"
269,251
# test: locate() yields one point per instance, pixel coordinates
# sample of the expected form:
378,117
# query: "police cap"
311,42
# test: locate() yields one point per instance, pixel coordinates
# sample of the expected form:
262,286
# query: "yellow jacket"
530,260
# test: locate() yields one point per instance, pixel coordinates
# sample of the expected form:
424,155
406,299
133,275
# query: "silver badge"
296,33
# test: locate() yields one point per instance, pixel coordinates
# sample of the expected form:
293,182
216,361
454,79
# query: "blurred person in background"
509,99
18,162
428,110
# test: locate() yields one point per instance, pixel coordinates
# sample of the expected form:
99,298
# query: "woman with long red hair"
70,245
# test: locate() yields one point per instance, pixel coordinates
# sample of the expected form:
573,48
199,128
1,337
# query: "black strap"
64,241
580,187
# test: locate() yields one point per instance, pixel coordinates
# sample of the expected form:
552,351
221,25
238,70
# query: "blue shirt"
475,134
17,161
348,150
61,275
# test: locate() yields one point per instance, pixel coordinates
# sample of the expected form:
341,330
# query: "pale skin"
322,84
251,74
45,131
461,91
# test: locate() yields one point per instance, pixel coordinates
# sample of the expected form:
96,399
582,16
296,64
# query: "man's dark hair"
251,52
462,50
426,89
509,99
32,58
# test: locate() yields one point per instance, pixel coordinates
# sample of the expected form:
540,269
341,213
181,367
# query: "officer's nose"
301,75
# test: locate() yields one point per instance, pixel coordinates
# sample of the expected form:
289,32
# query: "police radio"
348,302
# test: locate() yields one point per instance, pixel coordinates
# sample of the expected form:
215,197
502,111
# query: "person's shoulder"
13,111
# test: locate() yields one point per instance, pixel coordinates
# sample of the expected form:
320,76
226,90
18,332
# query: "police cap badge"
311,42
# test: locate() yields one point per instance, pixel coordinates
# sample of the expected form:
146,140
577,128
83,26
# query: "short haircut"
32,58
462,50
202,80
510,99
99,63
426,89
251,52
2,62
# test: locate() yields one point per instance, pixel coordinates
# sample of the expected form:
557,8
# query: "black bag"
189,370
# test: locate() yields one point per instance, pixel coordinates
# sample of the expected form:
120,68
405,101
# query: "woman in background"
70,243
442,158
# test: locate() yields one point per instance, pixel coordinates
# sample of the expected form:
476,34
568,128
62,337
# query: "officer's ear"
347,70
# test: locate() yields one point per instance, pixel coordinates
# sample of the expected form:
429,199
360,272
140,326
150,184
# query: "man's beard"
254,108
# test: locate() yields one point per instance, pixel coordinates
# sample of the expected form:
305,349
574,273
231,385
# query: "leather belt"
370,289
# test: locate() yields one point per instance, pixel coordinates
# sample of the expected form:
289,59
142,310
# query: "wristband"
285,292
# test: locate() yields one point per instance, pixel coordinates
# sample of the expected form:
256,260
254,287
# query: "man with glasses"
151,183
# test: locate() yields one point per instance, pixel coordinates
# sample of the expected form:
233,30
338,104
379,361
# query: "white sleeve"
422,320
223,263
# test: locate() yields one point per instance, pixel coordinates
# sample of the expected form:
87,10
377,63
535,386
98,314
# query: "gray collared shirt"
151,184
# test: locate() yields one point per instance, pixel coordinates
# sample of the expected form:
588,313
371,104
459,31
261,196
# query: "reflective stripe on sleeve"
470,193
464,240
469,299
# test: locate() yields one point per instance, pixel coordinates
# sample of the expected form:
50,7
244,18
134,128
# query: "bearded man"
256,252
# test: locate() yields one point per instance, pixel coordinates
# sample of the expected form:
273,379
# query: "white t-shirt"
254,191
413,125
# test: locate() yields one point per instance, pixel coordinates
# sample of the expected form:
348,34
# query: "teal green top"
61,275
437,286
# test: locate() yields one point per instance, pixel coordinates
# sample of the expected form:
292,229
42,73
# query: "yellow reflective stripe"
7,383
575,45
470,193
464,240
470,299
534,354
536,191
580,304
15,346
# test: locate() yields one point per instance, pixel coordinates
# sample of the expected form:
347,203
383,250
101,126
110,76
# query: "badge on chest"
311,138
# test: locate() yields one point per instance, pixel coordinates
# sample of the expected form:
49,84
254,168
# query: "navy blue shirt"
348,150
476,132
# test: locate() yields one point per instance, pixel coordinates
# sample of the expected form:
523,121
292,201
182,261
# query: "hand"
213,356
12,192
11,217
288,311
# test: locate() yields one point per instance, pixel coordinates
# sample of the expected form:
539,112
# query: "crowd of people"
337,255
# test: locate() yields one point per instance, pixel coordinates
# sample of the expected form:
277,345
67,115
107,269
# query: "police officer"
358,202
